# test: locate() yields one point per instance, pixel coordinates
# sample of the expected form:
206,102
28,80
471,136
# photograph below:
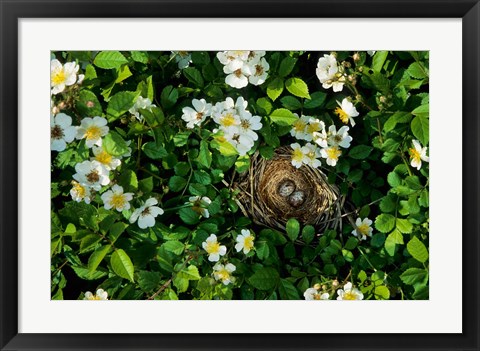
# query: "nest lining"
273,191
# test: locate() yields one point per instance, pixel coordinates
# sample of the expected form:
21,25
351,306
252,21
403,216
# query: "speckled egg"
297,198
286,188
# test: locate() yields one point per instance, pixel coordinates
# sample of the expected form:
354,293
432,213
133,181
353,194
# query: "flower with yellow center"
200,204
61,131
313,127
107,160
100,295
223,273
332,154
80,192
349,293
62,76
418,154
363,228
117,199
299,126
297,155
346,111
244,241
91,174
92,130
312,154
146,214
197,115
313,294
213,248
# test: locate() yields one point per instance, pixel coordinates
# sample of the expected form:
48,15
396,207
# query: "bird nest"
273,191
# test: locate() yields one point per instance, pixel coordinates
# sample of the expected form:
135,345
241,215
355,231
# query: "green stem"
366,258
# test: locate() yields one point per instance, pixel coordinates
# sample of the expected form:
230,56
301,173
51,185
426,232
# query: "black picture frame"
12,10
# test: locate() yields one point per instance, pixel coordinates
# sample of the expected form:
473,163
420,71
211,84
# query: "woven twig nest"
273,191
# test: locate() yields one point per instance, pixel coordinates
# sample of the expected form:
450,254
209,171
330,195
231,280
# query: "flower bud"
335,283
356,57
317,286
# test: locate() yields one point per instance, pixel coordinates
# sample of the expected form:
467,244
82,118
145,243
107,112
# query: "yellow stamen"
363,229
93,132
342,115
212,247
248,242
297,155
299,125
58,77
333,153
104,157
80,190
349,295
118,200
223,274
414,154
228,120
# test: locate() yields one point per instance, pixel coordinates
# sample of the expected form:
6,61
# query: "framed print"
226,173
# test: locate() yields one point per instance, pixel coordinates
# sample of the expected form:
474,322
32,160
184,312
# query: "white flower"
146,214
340,138
332,154
213,248
91,174
346,111
321,138
92,129
80,79
362,228
240,105
349,293
141,104
259,72
107,160
313,294
117,199
182,58
100,295
299,126
313,126
242,142
62,76
61,131
312,154
227,119
248,124
200,204
224,273
255,56
226,57
418,154
328,73
297,155
237,74
197,116
80,193
244,241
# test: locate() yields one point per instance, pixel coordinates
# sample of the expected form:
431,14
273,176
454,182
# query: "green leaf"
181,284
139,56
287,290
385,223
146,185
360,152
197,189
97,257
200,57
114,144
297,87
122,264
397,117
308,233
286,66
291,103
420,129
116,230
173,246
417,70
379,60
169,96
265,278
293,229
189,273
88,104
414,276
376,80
128,180
265,105
204,156
242,164
109,59
262,250
119,104
89,242
181,138
148,281
394,179
123,73
84,273
202,177
388,204
153,151
283,117
404,226
275,88
317,100
381,292
194,76
177,183
417,249
188,215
